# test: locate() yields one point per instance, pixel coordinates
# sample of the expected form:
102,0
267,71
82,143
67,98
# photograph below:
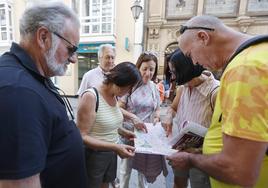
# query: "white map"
153,142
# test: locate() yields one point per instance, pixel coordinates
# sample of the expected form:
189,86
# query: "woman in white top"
100,126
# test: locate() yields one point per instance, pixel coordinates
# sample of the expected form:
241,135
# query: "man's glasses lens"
183,28
72,50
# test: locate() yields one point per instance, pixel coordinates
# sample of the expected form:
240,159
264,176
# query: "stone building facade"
163,20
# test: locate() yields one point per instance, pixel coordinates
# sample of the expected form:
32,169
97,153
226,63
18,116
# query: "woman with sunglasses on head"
100,119
143,105
194,102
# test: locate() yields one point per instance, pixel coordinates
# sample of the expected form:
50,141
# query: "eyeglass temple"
73,46
66,102
55,90
197,27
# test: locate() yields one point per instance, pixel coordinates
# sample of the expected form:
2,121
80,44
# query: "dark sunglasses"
72,49
184,28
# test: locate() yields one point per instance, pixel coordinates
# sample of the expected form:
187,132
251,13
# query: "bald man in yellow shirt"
234,150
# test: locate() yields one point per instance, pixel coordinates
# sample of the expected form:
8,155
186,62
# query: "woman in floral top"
143,105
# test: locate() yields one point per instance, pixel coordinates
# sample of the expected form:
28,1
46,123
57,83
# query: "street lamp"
136,9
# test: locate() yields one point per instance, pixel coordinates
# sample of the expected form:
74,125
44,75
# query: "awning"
91,47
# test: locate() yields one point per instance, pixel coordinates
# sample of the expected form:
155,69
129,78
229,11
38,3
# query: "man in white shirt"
94,77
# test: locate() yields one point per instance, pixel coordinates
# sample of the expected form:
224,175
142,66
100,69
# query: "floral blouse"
143,102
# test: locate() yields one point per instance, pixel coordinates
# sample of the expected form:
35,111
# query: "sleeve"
84,84
157,95
24,133
244,102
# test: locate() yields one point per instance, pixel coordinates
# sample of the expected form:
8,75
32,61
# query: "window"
257,7
221,8
6,23
180,9
96,16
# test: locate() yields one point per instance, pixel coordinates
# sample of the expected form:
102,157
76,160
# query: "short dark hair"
145,57
123,74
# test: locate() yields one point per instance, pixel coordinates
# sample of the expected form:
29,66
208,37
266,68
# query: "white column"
138,34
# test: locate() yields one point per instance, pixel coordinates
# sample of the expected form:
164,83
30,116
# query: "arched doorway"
168,51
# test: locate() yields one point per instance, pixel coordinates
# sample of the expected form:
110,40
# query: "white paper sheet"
153,142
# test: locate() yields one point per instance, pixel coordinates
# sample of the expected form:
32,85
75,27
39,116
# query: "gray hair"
103,47
52,15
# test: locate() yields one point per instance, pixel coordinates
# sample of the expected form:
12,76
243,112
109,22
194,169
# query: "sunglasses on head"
71,49
184,28
150,53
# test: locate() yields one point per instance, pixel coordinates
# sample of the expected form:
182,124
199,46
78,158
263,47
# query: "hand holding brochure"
191,135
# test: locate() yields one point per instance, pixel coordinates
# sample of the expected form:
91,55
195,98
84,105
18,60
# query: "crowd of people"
43,146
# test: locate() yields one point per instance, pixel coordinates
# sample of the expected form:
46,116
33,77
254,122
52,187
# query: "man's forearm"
30,182
219,167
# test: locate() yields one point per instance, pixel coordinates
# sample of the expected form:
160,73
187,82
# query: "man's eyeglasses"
72,49
184,28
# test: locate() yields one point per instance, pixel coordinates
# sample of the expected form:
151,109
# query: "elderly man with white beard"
40,145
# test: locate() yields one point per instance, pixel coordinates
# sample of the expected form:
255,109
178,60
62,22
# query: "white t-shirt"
92,78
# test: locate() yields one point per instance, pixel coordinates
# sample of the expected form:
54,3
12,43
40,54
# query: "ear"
203,37
43,38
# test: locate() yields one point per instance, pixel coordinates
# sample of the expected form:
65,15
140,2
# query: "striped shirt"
108,120
195,105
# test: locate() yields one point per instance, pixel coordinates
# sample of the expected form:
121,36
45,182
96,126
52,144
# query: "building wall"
122,37
159,31
124,31
162,30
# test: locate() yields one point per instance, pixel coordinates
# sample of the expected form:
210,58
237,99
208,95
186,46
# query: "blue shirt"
36,135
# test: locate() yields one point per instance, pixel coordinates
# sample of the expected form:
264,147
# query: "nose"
111,60
147,73
73,58
173,76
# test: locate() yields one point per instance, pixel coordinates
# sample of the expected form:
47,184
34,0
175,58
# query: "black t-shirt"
36,135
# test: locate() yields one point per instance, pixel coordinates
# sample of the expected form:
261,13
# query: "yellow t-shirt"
242,106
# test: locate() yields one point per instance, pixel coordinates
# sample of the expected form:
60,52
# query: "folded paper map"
191,135
153,142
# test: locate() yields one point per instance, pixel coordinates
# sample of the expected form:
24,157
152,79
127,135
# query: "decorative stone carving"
244,22
154,47
154,33
172,34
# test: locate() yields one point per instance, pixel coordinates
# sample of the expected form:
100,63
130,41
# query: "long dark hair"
123,74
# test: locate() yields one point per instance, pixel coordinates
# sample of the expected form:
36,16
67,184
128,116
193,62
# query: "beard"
55,68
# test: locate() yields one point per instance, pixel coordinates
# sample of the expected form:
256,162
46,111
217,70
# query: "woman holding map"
144,106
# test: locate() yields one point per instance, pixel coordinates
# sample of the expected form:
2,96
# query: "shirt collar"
203,87
25,60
